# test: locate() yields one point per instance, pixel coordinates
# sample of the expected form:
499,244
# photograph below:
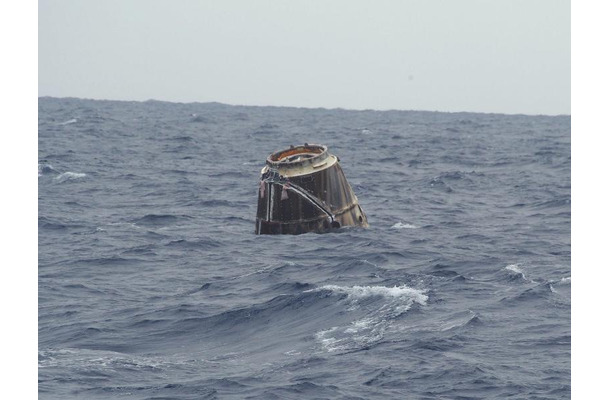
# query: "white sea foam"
561,287
517,271
98,360
69,176
401,225
358,334
402,292
328,342
514,268
370,328
44,169
360,325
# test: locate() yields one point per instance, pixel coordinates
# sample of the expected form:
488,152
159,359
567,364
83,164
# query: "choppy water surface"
153,285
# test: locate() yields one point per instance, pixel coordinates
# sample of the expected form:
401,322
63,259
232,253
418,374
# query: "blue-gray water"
153,285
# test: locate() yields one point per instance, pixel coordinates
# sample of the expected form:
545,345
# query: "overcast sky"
506,56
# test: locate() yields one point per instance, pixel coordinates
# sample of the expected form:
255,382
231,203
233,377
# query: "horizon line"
308,108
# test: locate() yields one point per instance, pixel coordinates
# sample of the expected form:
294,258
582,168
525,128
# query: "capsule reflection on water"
303,189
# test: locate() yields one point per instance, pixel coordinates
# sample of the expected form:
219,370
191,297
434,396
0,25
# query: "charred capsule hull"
303,189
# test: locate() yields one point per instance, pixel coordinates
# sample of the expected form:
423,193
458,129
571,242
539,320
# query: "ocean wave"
152,220
200,244
516,272
44,169
514,268
452,322
457,175
180,138
448,274
560,201
538,292
352,316
404,225
69,176
54,224
107,261
439,184
402,292
561,287
80,360
379,317
294,287
201,119
68,122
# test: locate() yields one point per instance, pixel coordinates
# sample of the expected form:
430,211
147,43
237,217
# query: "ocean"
153,285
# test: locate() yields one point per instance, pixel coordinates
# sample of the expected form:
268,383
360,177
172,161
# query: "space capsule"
303,189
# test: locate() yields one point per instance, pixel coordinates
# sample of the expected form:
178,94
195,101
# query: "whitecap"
380,315
328,342
401,225
358,334
517,272
69,176
359,292
514,268
68,122
45,169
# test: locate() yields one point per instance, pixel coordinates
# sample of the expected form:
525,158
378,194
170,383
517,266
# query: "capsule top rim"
298,156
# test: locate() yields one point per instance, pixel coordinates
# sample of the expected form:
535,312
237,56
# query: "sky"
500,56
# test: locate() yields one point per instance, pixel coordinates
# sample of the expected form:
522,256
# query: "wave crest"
402,292
401,225
378,319
69,176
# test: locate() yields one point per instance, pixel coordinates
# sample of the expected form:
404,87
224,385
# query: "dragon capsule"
303,189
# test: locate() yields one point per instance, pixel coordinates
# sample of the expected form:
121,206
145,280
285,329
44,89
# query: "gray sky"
507,56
